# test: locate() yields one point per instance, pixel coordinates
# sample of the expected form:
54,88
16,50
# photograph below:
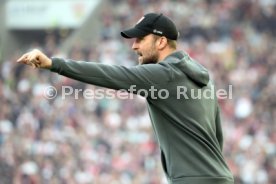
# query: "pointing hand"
36,59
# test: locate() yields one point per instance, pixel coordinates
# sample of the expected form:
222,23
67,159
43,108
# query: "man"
188,129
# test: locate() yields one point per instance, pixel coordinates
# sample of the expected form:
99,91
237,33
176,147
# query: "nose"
135,45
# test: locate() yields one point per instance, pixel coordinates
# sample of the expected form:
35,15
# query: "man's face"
146,49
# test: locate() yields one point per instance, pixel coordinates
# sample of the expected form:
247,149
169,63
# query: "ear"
162,42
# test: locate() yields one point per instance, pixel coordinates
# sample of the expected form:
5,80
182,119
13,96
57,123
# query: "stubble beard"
150,58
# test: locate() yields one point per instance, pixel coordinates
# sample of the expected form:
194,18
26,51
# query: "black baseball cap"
152,23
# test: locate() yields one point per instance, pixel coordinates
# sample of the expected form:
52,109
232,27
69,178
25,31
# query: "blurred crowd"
74,140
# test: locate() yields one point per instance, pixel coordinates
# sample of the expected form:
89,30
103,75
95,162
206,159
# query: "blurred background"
99,141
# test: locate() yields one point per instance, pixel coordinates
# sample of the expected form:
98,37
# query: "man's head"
155,37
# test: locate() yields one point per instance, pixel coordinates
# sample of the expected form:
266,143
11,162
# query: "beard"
149,57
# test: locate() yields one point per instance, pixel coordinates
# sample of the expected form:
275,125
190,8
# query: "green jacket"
188,130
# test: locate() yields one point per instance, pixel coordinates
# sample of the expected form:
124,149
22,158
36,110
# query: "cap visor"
133,33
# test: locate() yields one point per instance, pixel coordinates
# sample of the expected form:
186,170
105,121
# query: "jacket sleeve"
113,76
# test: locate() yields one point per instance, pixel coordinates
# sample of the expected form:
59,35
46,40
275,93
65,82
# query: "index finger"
23,58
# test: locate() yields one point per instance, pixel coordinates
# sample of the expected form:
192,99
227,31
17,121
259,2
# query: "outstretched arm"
110,76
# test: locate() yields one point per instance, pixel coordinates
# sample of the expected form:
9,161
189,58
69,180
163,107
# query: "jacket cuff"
56,64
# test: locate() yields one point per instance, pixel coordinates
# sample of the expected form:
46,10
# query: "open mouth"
139,54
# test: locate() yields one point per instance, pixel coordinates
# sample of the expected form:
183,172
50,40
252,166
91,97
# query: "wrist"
49,63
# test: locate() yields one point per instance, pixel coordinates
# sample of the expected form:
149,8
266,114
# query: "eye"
140,39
